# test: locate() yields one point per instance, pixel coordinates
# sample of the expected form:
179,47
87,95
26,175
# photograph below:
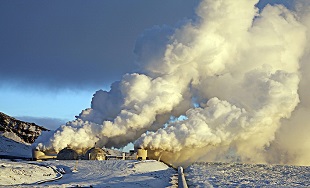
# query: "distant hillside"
27,132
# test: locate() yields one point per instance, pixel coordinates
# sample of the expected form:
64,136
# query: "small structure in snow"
141,154
40,155
95,153
67,154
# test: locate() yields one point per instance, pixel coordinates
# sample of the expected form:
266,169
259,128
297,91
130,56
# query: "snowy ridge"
249,175
19,130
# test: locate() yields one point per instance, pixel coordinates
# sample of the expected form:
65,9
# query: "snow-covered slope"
110,173
12,148
246,175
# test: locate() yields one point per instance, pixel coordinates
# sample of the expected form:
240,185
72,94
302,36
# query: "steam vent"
67,154
95,153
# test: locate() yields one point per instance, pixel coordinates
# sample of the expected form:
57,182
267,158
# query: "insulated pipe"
36,154
181,178
39,155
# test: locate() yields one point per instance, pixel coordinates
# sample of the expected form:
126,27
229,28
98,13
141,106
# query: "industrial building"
94,153
67,154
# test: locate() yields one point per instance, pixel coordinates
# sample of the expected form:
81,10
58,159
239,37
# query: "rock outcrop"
28,132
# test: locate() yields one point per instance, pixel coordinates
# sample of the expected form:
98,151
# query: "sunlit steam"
237,73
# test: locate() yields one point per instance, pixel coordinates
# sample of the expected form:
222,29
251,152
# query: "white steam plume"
292,140
236,73
248,82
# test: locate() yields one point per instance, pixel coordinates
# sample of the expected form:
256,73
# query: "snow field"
246,175
17,173
110,173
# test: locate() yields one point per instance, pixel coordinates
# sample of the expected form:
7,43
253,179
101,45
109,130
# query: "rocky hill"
28,132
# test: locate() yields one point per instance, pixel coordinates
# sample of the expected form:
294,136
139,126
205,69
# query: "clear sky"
55,54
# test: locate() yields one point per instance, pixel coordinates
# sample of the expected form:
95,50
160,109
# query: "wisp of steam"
229,85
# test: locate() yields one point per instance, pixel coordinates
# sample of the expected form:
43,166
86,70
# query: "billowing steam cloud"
236,74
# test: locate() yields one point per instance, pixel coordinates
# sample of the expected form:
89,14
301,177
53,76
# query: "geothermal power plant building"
67,154
94,153
141,154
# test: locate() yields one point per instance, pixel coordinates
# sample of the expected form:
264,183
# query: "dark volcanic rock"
28,132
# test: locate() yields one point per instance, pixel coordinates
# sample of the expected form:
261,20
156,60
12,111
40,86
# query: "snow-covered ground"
82,173
132,173
110,173
10,147
246,175
15,173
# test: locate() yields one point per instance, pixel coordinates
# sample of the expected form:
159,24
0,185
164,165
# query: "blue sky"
55,54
